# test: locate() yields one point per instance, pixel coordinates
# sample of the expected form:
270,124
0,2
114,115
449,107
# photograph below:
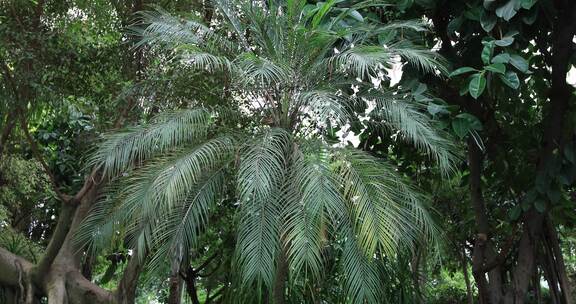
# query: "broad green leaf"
477,85
474,14
462,70
508,10
434,109
530,17
506,41
488,21
519,62
464,123
460,127
488,3
527,4
487,52
473,122
510,79
498,68
501,58
324,8
420,89
540,205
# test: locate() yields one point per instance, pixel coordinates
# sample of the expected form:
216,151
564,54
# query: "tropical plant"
298,71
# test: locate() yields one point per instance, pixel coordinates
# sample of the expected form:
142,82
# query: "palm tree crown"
292,67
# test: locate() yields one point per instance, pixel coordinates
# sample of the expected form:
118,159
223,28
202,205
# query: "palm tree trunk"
278,292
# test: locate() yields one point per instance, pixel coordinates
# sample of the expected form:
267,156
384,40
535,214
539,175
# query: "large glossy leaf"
519,62
498,68
508,10
462,70
477,85
488,21
510,79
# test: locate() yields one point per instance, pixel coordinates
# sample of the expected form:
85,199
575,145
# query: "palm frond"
425,60
362,281
403,114
326,105
154,189
261,173
181,227
313,204
387,213
125,149
260,72
362,61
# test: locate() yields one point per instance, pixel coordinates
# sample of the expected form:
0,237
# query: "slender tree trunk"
279,290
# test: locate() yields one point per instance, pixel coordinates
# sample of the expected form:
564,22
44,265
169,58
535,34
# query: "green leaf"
356,15
501,58
508,10
487,52
488,4
506,41
527,4
474,14
461,71
515,212
434,109
519,62
488,21
420,89
473,122
510,79
460,128
530,17
464,123
540,205
498,68
477,85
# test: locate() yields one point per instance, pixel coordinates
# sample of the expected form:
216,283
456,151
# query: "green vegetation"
288,151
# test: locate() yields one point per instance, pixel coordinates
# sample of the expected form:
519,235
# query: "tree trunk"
279,290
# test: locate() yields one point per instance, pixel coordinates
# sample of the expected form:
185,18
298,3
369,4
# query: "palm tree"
291,67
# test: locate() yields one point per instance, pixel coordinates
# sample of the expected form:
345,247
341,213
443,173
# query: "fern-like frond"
313,205
125,149
425,60
362,61
261,173
387,213
402,113
180,227
157,188
362,281
326,105
260,72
